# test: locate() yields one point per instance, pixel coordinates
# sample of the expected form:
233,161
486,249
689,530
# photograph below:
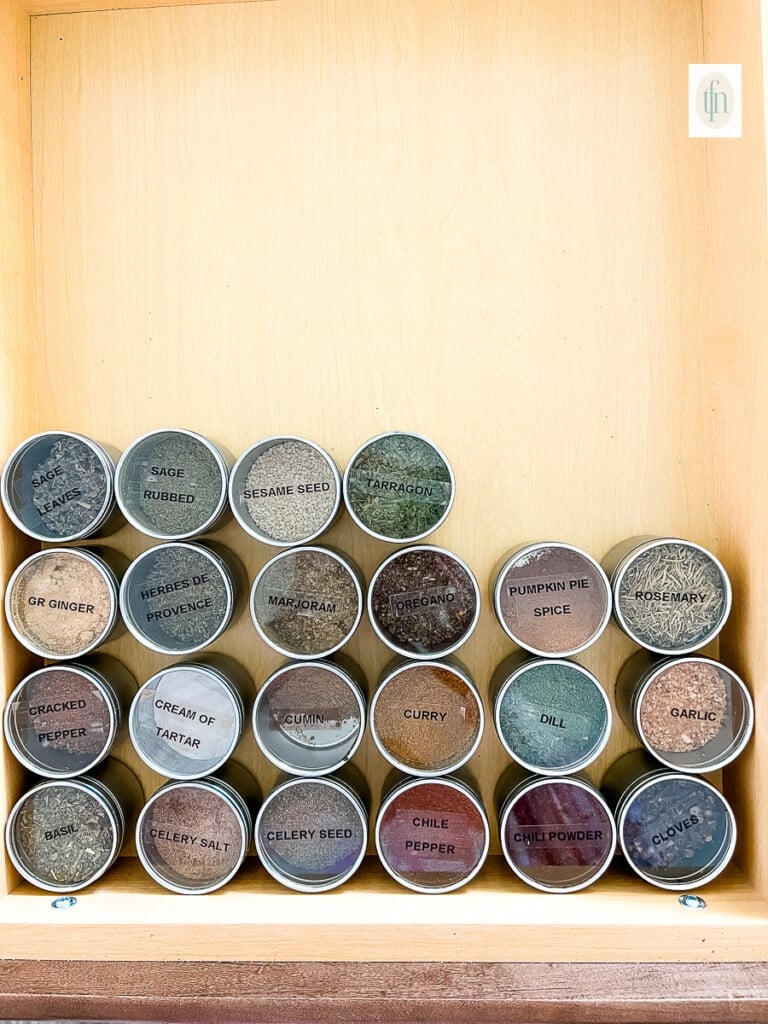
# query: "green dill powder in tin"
399,487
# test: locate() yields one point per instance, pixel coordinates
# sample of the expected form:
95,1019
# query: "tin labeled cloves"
62,720
676,830
193,837
557,835
309,716
64,834
59,487
172,484
285,490
432,835
670,596
311,834
693,713
552,715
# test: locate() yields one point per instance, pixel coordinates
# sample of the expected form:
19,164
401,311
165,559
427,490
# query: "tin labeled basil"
692,713
552,715
676,831
670,596
399,487
59,487
557,835
309,716
172,484
423,602
62,720
307,602
285,490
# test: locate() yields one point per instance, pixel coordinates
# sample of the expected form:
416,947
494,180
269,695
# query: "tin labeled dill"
399,487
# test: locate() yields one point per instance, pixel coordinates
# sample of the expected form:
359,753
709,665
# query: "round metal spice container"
192,837
691,713
423,602
432,835
311,834
285,490
58,487
309,716
64,834
307,602
676,831
552,599
62,720
427,717
552,716
187,719
557,835
177,598
399,487
62,603
172,484
670,596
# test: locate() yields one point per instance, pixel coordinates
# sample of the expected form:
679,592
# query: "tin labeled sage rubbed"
172,484
670,596
399,487
58,487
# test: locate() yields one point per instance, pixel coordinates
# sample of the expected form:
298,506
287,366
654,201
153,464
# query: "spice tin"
427,717
172,484
62,720
693,714
676,830
64,834
311,834
187,719
670,596
177,598
423,602
285,490
59,487
193,837
399,487
307,602
309,716
552,599
432,835
557,835
62,603
552,715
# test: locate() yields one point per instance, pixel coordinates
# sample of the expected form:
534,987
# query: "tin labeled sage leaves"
399,487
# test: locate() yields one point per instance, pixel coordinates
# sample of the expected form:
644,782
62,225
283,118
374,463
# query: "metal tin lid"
557,835
62,835
192,837
61,720
309,718
427,717
552,716
285,490
307,602
399,487
552,599
670,596
186,720
172,484
62,603
432,835
693,714
58,487
423,602
311,834
177,598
